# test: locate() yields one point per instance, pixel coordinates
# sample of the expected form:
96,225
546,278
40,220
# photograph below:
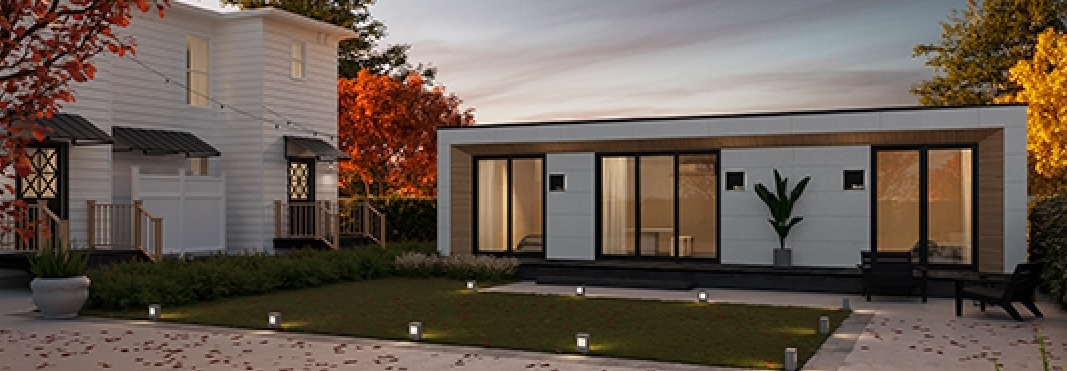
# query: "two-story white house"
221,115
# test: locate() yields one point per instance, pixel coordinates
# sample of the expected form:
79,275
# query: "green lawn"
714,334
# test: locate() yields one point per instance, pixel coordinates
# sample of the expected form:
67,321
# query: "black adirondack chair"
891,273
1019,288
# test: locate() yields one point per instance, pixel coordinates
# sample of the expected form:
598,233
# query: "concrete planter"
60,298
783,257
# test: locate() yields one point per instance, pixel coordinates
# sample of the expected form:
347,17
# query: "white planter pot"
60,298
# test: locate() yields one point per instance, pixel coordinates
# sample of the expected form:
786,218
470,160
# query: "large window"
510,205
659,205
925,203
196,71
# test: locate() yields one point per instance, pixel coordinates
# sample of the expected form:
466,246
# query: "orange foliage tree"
389,128
44,46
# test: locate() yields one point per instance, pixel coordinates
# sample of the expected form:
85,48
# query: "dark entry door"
47,180
302,211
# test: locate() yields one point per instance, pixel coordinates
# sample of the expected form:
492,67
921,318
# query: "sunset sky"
516,61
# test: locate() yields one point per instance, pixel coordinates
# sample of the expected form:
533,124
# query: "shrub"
482,268
1048,243
408,218
130,285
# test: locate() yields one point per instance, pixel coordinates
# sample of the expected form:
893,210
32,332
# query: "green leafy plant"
1047,366
1048,244
781,204
51,262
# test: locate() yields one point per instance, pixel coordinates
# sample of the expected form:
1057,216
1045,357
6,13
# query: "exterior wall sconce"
580,290
582,343
274,320
415,330
472,285
154,312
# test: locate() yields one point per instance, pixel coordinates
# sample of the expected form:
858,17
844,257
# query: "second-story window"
296,59
196,71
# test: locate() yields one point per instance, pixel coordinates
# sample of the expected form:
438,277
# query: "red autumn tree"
44,46
389,129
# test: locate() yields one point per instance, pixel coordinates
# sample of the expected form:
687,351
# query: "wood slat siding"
462,203
991,203
990,171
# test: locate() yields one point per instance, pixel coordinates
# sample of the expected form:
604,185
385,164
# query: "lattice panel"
43,180
299,184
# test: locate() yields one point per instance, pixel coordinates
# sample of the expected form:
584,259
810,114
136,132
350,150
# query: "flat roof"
722,116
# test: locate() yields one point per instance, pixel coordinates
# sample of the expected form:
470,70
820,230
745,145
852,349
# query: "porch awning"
304,147
161,142
75,128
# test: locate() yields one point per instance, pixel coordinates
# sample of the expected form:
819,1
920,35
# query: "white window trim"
206,73
303,59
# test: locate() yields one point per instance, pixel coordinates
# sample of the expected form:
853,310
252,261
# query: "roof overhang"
312,148
161,142
74,128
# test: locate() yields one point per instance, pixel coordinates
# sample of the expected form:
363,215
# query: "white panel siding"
571,215
836,222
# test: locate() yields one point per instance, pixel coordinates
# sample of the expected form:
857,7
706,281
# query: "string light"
290,125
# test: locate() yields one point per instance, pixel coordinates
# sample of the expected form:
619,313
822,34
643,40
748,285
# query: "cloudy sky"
518,61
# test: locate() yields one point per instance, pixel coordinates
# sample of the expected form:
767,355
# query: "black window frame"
509,250
924,201
598,204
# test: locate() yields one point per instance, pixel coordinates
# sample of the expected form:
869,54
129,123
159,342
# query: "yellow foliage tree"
1043,82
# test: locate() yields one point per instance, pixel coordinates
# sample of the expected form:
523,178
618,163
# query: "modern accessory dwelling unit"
948,184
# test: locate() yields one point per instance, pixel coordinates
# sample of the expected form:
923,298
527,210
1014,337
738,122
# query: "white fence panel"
193,209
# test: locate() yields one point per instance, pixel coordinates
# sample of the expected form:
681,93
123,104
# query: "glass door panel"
657,206
492,205
618,216
527,205
898,200
949,206
697,206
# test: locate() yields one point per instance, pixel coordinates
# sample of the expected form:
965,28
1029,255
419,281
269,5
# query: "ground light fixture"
154,311
824,324
702,296
581,343
472,285
845,305
274,320
580,290
415,330
790,363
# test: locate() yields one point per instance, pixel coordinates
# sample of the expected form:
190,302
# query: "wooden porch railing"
360,218
309,219
45,226
127,226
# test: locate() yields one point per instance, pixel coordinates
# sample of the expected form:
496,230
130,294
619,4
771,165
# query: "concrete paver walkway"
881,335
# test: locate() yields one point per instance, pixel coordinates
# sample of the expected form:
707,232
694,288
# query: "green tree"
978,46
358,53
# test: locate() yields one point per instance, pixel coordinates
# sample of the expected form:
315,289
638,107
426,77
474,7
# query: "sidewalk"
885,334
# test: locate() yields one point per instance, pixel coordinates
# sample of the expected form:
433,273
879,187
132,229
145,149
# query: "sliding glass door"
924,203
509,199
658,205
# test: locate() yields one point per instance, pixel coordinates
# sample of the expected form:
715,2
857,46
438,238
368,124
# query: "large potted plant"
781,205
60,286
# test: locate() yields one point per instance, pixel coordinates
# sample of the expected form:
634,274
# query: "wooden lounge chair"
1020,287
891,272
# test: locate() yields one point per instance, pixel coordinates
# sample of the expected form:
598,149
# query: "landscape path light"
274,320
580,290
415,330
582,342
824,324
790,359
472,285
702,296
154,312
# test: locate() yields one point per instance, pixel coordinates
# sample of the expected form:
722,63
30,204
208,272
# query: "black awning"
303,147
161,142
75,128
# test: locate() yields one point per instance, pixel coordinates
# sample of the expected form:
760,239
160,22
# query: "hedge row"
1048,243
133,285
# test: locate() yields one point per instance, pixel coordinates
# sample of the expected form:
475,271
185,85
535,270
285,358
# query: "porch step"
615,282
